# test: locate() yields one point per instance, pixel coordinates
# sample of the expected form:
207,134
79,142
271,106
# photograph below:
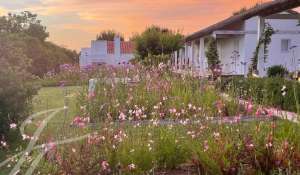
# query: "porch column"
201,56
175,59
260,32
186,53
180,58
192,55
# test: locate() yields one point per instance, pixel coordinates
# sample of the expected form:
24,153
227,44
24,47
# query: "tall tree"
109,35
157,41
212,56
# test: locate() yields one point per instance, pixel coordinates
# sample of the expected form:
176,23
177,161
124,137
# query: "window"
285,45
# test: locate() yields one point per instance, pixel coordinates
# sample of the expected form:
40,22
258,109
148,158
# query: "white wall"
84,55
285,29
98,54
231,54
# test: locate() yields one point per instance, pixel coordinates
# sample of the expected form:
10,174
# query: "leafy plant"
156,41
277,71
212,56
264,40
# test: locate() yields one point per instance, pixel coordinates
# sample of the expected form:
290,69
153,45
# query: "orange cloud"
3,11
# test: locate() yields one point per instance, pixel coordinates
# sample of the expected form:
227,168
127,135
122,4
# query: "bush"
265,91
277,71
16,90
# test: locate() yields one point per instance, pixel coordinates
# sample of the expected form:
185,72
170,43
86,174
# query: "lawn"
47,98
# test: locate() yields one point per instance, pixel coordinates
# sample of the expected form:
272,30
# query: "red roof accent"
110,47
127,47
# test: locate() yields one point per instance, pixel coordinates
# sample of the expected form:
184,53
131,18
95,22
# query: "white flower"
73,150
251,145
24,137
4,144
216,134
268,145
283,90
13,126
131,166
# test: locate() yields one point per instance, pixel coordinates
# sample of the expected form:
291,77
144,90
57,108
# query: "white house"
103,52
237,38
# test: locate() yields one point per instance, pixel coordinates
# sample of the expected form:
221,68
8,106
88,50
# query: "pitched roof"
264,9
127,47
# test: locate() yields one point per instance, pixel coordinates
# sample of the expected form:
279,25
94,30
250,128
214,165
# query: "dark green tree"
212,54
157,41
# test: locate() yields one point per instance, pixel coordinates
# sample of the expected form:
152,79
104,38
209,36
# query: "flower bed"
161,123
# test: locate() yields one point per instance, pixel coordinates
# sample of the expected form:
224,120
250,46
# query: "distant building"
103,52
237,38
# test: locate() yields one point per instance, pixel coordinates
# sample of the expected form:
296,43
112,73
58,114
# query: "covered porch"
230,49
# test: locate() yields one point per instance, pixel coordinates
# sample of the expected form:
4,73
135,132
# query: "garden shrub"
16,89
265,91
277,71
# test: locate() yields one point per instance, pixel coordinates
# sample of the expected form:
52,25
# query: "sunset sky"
73,23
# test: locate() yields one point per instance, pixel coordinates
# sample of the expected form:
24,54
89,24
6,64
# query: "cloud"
3,11
18,4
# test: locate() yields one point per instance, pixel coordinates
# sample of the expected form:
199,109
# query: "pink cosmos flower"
104,165
249,107
205,145
80,121
91,95
51,146
122,116
269,145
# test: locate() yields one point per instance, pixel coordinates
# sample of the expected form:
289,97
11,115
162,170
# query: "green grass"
47,98
56,97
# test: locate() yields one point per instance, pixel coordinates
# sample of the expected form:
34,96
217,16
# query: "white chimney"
117,43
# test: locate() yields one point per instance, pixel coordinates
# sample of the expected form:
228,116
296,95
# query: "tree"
212,56
109,35
25,31
25,22
157,41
